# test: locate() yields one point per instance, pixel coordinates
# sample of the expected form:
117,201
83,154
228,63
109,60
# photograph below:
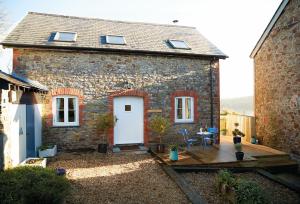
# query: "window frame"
184,119
112,43
175,47
66,123
56,37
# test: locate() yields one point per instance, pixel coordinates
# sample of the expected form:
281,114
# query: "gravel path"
204,183
118,178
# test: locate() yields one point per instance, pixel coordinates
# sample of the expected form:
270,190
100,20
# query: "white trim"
184,120
268,29
66,108
56,37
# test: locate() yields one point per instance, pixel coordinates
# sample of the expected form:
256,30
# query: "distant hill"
243,105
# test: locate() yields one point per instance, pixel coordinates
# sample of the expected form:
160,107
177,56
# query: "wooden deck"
223,155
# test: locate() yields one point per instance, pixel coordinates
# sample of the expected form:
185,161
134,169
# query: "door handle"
116,119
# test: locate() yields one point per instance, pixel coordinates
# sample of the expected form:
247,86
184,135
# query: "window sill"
65,126
192,122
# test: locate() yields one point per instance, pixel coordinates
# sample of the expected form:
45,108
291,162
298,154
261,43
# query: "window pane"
188,108
71,102
178,44
65,36
71,116
179,108
60,110
71,112
112,39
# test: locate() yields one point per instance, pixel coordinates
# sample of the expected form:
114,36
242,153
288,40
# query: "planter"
239,156
253,140
160,148
102,148
60,171
238,147
49,152
174,155
42,162
237,139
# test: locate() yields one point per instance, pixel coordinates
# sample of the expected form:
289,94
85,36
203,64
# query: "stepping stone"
116,150
143,148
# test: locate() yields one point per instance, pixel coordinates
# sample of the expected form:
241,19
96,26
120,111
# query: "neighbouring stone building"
135,70
277,80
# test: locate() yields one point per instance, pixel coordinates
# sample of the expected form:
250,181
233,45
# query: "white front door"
129,113
17,133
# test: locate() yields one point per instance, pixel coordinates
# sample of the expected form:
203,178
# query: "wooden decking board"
223,155
192,195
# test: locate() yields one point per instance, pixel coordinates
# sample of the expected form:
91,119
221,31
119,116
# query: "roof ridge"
108,20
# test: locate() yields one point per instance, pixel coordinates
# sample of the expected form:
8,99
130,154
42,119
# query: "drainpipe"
211,93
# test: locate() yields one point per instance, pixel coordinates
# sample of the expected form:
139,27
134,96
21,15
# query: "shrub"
159,125
249,192
30,185
225,177
105,122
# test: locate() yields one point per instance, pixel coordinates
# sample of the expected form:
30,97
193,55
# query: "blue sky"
234,26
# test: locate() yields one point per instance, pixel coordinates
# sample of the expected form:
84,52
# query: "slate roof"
35,29
22,81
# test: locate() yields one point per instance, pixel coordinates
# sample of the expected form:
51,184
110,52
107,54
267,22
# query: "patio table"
203,135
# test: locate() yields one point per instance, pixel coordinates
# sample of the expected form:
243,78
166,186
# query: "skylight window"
114,39
179,44
65,36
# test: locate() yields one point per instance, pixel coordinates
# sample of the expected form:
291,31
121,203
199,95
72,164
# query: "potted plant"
253,139
223,132
104,123
237,134
173,152
160,126
239,154
47,151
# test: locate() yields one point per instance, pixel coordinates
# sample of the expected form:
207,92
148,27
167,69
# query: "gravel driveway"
117,178
204,183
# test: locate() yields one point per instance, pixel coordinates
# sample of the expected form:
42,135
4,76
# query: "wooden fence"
246,124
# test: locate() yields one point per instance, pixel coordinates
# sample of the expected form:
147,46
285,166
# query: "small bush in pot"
237,134
104,123
160,126
173,152
49,150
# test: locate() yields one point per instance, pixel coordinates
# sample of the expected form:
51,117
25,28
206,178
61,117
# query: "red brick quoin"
130,92
68,92
189,93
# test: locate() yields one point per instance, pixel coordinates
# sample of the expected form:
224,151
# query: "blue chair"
189,141
214,132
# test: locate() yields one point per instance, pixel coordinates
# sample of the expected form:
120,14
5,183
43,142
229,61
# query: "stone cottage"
135,70
277,80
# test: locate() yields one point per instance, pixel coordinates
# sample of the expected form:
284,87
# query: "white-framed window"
184,109
65,36
65,111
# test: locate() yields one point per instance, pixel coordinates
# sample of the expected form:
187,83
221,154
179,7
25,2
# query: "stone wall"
277,83
97,75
